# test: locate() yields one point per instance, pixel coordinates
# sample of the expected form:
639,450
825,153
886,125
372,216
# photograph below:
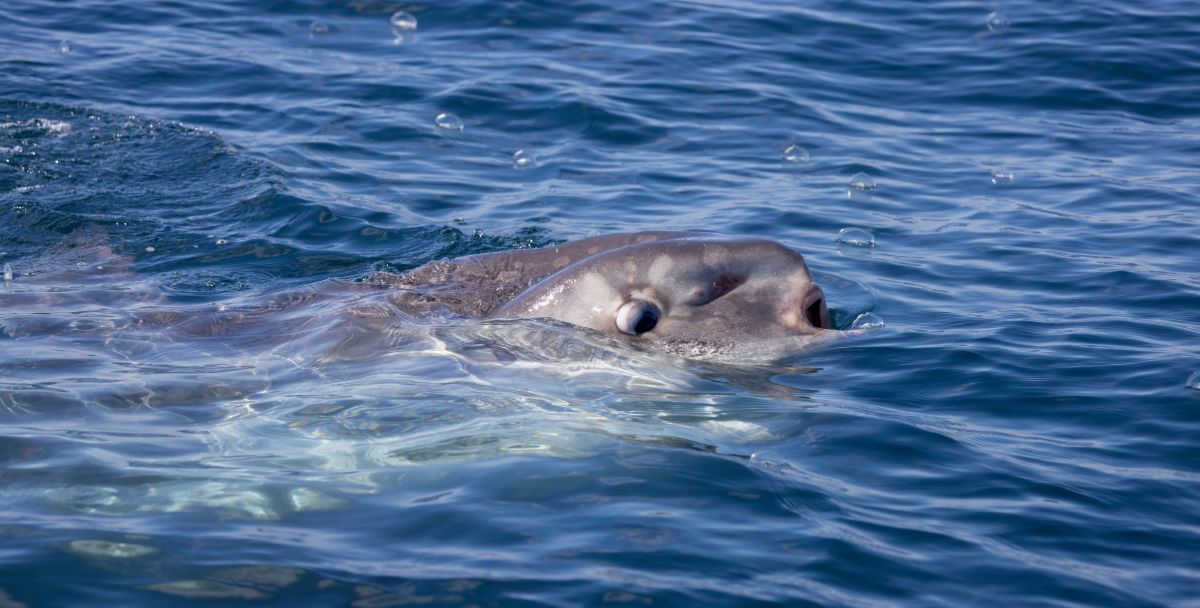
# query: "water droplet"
997,22
861,181
64,47
8,273
523,159
853,235
403,22
449,122
222,242
149,249
867,320
1193,381
796,154
316,28
1001,176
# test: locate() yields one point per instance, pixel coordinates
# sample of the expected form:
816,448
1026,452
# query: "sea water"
1001,195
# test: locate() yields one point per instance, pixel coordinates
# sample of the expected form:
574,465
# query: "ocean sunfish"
694,294
691,293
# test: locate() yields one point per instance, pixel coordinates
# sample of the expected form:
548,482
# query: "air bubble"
523,159
859,181
858,237
862,181
867,320
403,22
448,121
796,154
1193,381
8,273
1002,176
404,28
997,22
64,47
149,249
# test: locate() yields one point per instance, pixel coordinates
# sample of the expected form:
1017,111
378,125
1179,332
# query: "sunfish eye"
637,317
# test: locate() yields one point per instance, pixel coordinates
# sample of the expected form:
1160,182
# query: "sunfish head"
699,296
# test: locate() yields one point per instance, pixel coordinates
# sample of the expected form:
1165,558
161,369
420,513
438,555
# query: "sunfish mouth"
816,312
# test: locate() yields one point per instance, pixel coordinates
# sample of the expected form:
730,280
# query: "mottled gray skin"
712,295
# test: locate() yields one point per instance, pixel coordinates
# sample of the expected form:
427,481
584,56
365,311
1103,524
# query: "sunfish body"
690,293
694,294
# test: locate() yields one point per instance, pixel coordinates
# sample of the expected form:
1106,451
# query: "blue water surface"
196,407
